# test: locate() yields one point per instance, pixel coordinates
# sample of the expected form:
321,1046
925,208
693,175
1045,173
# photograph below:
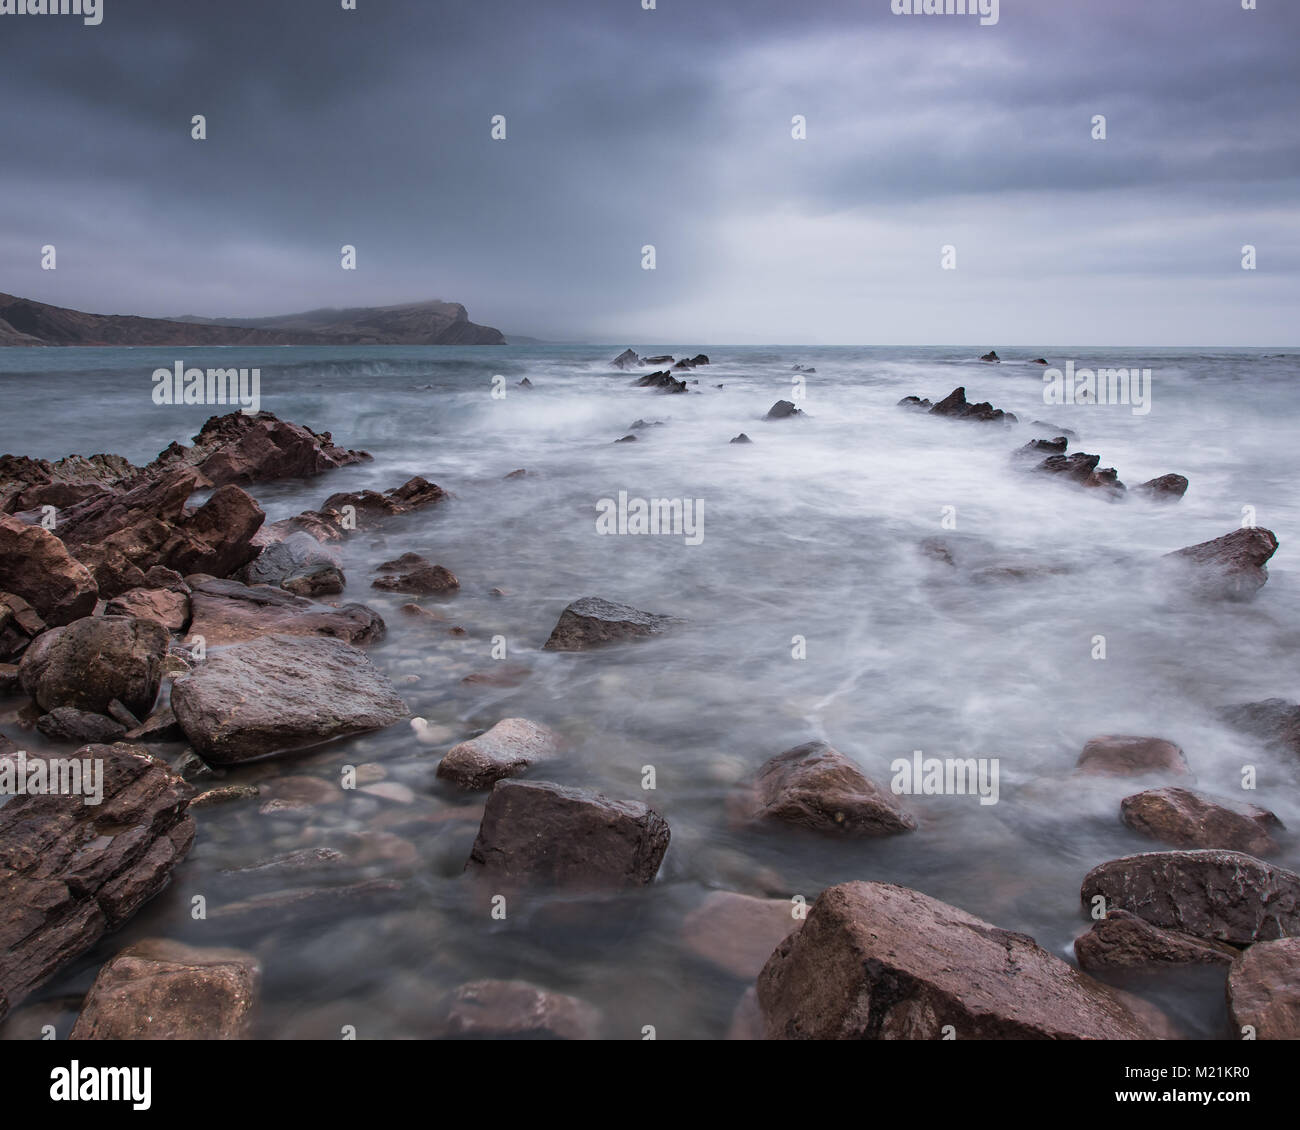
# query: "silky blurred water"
812,531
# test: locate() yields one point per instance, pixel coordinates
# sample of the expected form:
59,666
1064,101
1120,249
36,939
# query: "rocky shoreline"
135,620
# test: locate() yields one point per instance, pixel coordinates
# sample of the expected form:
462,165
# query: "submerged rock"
737,933
281,693
517,1010
742,438
1126,756
593,621
1273,721
1230,567
73,872
1224,896
159,989
538,832
509,748
93,661
876,961
1124,941
816,787
1187,819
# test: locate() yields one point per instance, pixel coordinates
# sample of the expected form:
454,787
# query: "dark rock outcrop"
68,724
73,872
538,832
1167,488
1230,567
1224,896
955,406
1273,721
593,621
281,693
663,381
246,448
19,625
782,410
876,961
742,438
991,356
628,359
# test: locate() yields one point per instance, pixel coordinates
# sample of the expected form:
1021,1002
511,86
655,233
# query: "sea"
810,609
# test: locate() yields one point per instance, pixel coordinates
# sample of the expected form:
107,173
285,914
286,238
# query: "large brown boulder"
1124,941
1230,567
1186,819
281,693
509,748
875,961
1224,896
159,989
229,612
1264,990
538,832
121,536
93,661
70,872
1125,756
243,447
593,621
814,786
35,565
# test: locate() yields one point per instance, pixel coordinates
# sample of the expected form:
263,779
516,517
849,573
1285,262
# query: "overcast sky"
669,127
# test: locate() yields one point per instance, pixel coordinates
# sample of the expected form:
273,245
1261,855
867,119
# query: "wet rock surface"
35,565
280,693
1264,990
159,989
1231,567
815,787
878,961
229,612
539,832
1187,819
593,621
72,872
92,662
509,748
1124,941
1215,895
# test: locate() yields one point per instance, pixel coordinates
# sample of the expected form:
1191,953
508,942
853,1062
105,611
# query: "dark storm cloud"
670,127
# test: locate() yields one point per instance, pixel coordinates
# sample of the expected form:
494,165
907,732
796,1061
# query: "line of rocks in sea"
96,612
